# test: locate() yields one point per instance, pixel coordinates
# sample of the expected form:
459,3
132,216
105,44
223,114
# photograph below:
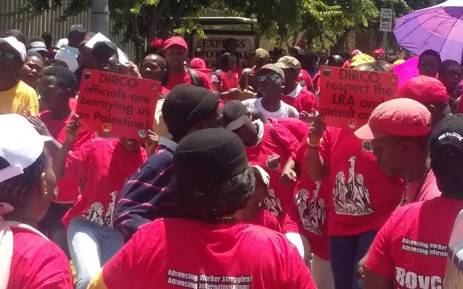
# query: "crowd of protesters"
239,184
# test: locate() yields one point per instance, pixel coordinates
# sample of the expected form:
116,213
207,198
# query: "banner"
116,104
347,96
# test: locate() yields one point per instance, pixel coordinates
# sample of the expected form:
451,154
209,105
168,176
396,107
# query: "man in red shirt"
27,186
175,52
362,196
398,130
268,145
411,249
57,87
212,181
295,94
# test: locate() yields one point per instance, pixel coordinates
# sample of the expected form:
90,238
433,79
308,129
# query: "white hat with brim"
17,45
20,145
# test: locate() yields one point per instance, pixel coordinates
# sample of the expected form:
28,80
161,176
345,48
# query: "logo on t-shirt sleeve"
351,197
272,204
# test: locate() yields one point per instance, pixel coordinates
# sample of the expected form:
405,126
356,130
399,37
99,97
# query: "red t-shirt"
312,201
301,99
305,80
68,189
423,190
266,219
363,195
215,256
103,165
411,248
271,153
227,80
37,263
185,78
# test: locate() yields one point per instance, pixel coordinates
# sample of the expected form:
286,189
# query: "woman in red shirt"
225,80
27,186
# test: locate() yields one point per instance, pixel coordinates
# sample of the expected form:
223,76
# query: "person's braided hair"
19,189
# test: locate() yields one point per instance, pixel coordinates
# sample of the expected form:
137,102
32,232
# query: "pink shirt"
37,263
423,190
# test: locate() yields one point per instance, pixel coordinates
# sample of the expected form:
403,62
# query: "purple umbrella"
438,27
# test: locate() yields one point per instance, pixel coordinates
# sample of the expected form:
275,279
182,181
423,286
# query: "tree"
321,21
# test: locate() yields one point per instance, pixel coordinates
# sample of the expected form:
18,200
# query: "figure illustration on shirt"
95,212
272,204
312,211
351,198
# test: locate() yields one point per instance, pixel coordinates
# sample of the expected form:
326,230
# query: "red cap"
397,117
157,43
175,40
379,51
424,89
198,63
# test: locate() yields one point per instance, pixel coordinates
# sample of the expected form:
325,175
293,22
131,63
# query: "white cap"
16,45
99,37
20,144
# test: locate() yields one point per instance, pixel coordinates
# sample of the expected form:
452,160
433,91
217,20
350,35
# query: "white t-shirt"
285,110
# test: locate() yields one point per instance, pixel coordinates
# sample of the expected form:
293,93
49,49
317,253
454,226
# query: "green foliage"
322,22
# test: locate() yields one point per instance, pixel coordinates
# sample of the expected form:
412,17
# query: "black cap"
185,106
446,140
209,156
233,112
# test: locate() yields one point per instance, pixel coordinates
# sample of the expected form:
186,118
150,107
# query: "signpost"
347,96
116,104
385,24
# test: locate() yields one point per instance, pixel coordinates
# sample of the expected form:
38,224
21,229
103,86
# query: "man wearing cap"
398,130
38,46
147,195
268,145
430,92
175,52
295,94
212,181
69,53
410,250
15,95
248,79
270,80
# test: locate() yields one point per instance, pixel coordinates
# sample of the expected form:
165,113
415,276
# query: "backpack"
195,79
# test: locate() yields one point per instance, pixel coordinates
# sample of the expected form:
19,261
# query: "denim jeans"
91,246
346,252
52,227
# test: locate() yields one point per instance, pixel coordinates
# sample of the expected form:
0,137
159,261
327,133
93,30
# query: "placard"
116,104
348,96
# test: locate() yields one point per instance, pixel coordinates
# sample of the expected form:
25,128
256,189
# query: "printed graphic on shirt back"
351,197
272,204
312,211
96,213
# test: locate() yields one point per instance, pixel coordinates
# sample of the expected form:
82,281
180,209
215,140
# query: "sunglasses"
272,77
5,55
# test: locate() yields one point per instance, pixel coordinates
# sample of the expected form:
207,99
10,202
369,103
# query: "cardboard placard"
116,104
347,96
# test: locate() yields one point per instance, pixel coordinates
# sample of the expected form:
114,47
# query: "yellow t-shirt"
18,99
